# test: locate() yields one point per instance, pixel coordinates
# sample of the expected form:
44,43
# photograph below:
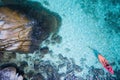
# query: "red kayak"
103,61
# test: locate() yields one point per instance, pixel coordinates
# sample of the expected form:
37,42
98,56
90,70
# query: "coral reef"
48,70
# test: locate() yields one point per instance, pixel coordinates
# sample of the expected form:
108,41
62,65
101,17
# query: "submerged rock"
13,1
11,71
56,39
99,71
77,68
25,24
44,50
47,42
23,64
36,64
1,56
46,3
119,62
113,64
117,73
38,76
7,56
61,57
30,74
71,76
13,34
49,70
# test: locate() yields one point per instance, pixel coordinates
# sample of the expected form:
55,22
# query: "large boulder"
24,25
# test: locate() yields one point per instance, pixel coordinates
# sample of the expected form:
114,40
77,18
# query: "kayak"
103,61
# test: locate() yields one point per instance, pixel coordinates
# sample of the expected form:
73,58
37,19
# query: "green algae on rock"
24,25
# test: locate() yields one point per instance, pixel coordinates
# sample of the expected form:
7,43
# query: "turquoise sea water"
94,23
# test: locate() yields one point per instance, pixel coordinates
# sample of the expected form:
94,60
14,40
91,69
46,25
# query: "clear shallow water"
94,23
